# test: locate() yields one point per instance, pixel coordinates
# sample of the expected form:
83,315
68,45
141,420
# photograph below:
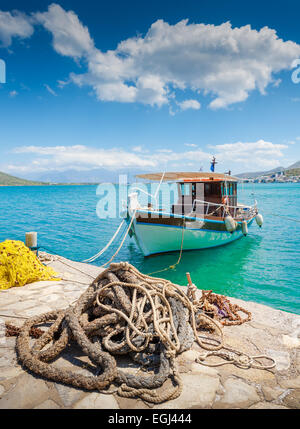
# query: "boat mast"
213,164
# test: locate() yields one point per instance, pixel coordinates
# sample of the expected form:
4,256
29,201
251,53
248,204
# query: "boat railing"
239,211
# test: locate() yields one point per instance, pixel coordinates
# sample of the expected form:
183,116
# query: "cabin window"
212,189
229,189
185,189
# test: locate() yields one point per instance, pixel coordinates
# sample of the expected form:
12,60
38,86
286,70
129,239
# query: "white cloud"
50,90
252,155
190,145
13,93
14,24
70,37
137,149
62,83
240,156
189,104
219,61
83,156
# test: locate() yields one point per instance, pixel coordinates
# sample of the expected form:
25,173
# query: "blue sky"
133,85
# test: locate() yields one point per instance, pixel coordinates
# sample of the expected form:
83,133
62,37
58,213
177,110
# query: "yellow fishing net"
20,266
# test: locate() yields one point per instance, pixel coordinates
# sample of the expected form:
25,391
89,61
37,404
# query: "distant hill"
97,175
253,175
293,170
8,180
293,166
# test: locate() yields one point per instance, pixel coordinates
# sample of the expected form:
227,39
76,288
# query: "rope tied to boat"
173,266
122,312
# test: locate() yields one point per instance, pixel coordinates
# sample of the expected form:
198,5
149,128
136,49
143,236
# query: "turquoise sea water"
263,267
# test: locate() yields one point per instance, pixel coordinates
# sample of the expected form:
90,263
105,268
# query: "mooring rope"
283,217
172,267
122,242
93,258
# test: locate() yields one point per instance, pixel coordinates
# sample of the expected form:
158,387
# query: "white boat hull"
155,238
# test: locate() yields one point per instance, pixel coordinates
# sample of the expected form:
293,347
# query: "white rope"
93,258
157,190
283,217
122,242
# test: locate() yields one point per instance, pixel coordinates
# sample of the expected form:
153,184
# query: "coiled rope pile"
123,312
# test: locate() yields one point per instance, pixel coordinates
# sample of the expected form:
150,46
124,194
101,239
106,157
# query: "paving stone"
291,341
50,298
292,383
292,399
5,350
34,311
97,401
197,368
20,306
6,300
266,406
20,292
132,404
32,287
6,344
189,355
8,372
60,305
48,290
199,391
71,296
282,359
270,394
8,359
184,367
47,405
297,361
238,394
27,392
68,395
74,288
250,375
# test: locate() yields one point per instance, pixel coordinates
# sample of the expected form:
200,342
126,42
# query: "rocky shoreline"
271,332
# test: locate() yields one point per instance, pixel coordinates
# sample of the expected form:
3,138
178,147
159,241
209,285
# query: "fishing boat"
206,213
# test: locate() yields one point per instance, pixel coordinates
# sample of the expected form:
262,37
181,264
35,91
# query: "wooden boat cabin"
202,193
